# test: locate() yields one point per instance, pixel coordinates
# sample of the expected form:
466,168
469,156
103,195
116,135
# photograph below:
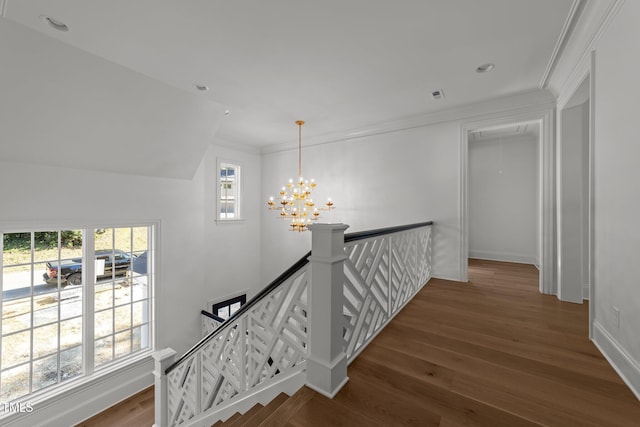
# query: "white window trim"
239,190
91,377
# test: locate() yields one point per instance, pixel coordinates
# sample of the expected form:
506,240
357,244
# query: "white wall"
39,194
394,173
383,180
573,245
232,249
617,193
503,199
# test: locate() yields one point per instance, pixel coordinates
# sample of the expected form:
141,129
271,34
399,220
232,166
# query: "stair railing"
209,322
301,329
384,269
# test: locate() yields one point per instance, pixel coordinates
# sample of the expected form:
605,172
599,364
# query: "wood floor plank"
490,363
319,411
538,358
399,408
532,399
137,410
461,409
289,408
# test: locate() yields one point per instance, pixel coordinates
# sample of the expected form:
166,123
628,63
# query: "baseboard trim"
96,396
503,256
626,366
329,395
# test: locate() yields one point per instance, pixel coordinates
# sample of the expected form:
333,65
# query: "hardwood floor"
132,412
491,352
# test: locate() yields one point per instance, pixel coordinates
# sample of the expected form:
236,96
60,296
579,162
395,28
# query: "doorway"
503,193
543,123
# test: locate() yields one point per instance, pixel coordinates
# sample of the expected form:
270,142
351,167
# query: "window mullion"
88,283
113,294
59,299
1,289
32,311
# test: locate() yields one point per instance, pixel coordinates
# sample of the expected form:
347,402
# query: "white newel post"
164,358
327,362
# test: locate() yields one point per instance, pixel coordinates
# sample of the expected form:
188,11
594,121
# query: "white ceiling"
338,64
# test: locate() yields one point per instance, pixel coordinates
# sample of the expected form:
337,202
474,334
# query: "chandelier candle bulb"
296,197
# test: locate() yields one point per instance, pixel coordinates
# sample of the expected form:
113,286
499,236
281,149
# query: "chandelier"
295,204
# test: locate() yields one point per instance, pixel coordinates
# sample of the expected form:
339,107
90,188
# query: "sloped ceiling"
123,76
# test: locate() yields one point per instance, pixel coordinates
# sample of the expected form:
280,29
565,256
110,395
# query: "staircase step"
241,419
230,420
284,412
264,411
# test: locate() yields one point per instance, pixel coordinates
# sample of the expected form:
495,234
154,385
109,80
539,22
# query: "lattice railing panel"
182,393
278,331
424,253
208,325
269,339
403,268
222,359
366,291
381,274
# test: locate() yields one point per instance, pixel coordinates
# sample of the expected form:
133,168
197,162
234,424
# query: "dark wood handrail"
212,316
350,237
253,301
360,235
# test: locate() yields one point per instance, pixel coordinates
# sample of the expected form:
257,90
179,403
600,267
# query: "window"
64,317
225,309
228,191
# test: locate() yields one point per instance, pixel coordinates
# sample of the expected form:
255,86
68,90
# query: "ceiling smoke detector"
437,94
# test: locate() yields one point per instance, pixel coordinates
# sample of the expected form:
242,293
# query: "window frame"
238,193
91,374
228,302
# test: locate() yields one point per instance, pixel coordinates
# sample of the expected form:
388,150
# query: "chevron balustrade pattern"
382,274
267,340
208,325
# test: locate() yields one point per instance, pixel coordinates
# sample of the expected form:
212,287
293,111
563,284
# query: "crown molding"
522,101
569,24
574,62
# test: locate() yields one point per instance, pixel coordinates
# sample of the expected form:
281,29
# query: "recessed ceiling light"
54,23
201,87
485,68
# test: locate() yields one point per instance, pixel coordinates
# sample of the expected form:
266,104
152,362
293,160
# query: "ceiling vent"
437,94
